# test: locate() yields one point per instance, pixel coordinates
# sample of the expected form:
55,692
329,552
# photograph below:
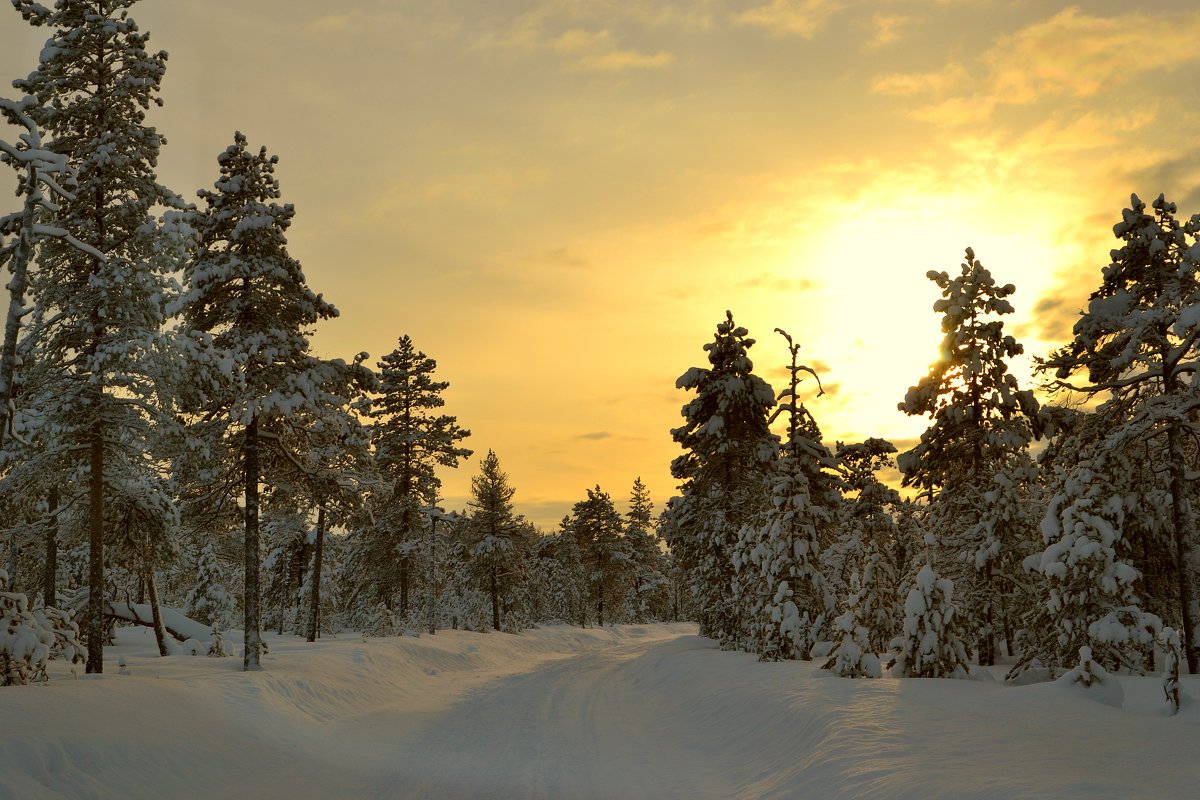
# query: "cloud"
333,22
581,33
887,29
906,84
1176,175
595,436
1070,55
596,50
777,283
562,257
803,18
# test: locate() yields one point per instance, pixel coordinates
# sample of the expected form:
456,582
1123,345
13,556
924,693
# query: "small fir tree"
930,645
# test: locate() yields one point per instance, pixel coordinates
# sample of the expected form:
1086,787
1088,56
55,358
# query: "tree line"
1057,535
168,437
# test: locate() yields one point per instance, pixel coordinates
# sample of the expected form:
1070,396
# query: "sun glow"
868,318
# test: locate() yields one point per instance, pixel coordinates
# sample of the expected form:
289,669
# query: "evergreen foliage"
724,472
981,426
778,561
98,311
410,441
247,313
930,645
1138,343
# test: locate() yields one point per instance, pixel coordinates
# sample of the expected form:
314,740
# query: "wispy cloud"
596,50
1070,55
803,18
334,22
906,84
887,29
582,35
777,283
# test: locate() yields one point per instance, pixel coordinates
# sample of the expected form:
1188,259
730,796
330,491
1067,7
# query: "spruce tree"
648,578
779,560
411,440
981,426
596,527
98,313
1090,600
1138,344
496,536
209,601
874,603
930,645
724,471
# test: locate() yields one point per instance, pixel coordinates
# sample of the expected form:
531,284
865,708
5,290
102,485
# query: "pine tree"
497,536
724,470
597,528
98,314
779,560
648,577
411,440
247,312
875,605
1138,342
981,425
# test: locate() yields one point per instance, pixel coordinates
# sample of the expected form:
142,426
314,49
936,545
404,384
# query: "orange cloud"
803,18
1071,54
887,29
595,50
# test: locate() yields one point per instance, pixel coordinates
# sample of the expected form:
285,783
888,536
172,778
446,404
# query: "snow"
649,711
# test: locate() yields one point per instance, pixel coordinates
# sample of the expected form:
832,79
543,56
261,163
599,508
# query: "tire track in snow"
583,729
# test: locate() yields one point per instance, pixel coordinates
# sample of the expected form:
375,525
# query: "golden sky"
558,199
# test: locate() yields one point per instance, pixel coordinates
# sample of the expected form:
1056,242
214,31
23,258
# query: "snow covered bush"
29,638
1173,655
209,601
853,656
1093,678
380,621
930,646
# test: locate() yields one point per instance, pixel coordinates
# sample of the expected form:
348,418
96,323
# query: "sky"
559,199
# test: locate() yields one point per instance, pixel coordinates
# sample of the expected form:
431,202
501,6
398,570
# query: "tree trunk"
160,632
403,587
495,601
314,609
429,587
96,622
50,576
251,600
1184,535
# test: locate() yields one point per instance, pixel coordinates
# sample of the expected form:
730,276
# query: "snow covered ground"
648,711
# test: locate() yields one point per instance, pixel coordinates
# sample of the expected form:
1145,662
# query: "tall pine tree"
247,313
98,314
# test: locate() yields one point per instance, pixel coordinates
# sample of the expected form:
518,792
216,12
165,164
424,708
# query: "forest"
169,441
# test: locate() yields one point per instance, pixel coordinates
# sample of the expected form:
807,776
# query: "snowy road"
604,714
581,728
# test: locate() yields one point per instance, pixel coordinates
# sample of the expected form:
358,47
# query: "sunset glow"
558,199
